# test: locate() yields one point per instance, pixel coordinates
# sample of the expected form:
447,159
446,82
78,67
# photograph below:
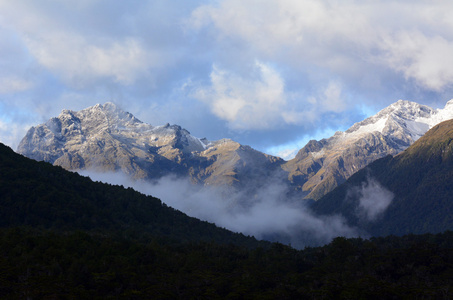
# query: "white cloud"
245,103
373,199
81,61
266,214
306,30
332,100
262,102
11,133
348,39
428,60
12,84
59,37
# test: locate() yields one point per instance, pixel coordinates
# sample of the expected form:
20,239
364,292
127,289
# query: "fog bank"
267,214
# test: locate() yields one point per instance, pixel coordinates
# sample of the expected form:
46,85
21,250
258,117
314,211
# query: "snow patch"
318,154
379,126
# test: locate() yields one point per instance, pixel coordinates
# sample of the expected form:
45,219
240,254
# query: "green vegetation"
421,178
64,237
43,196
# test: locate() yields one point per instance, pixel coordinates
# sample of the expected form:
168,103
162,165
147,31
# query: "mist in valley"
266,212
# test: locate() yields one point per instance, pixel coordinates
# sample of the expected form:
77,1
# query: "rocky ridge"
106,138
411,192
322,165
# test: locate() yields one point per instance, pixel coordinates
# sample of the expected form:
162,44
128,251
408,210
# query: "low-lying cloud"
268,214
373,199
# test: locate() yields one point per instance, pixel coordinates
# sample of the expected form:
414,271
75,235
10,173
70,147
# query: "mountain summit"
322,165
106,138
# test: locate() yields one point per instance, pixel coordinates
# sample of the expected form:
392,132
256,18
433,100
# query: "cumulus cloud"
345,38
81,62
269,214
92,41
427,60
262,101
245,103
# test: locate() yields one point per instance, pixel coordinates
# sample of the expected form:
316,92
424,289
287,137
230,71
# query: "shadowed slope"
421,179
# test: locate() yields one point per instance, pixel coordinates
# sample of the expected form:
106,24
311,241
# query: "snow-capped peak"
403,122
405,119
329,162
441,115
398,112
109,114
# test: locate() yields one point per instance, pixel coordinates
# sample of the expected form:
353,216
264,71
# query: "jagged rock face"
105,138
322,165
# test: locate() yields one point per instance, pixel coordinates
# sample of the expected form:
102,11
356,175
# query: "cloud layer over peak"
267,74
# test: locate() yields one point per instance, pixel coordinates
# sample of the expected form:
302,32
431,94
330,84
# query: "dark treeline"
40,195
77,265
64,237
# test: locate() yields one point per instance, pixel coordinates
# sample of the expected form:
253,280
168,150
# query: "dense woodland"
64,237
40,195
75,265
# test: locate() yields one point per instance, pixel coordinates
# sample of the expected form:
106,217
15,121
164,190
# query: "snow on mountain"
80,132
322,165
106,138
406,120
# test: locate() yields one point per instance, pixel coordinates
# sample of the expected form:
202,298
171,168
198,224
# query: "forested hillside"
40,195
64,237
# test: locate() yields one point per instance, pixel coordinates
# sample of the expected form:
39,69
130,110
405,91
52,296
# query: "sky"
269,74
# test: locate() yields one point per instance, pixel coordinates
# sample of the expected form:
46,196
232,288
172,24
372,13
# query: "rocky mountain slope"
322,165
408,193
106,138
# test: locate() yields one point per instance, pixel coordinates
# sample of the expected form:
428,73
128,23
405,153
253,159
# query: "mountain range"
106,138
65,236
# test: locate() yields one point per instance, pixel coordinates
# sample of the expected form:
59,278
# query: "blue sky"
269,74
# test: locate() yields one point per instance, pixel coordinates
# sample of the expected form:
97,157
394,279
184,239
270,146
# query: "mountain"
43,196
106,138
322,165
409,193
